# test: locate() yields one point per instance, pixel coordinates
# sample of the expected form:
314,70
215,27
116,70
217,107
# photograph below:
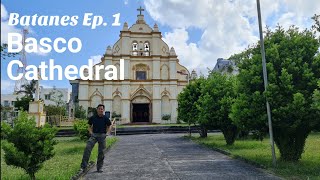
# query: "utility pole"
265,80
23,60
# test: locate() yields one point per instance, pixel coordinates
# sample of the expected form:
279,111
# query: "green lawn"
260,152
153,125
65,163
125,126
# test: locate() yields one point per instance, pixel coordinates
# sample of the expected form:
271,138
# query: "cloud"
6,29
178,39
7,86
4,13
227,27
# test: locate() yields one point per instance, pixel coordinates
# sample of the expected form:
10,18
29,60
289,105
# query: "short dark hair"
100,105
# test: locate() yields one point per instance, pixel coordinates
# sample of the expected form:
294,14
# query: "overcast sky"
200,30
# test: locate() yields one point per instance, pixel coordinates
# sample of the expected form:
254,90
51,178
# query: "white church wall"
125,113
174,112
83,91
108,89
173,70
156,69
127,69
156,114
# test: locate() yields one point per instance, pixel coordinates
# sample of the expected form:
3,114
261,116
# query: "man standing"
98,125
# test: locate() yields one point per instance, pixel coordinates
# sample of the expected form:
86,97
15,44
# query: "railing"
61,121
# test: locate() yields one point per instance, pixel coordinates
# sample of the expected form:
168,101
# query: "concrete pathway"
169,156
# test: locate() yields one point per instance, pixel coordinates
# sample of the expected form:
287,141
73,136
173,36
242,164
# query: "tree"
215,102
80,112
316,105
23,103
316,19
27,146
293,71
52,110
29,89
56,96
92,111
187,99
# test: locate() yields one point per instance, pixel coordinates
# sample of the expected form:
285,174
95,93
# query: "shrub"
28,146
92,111
55,110
166,117
115,115
5,130
81,127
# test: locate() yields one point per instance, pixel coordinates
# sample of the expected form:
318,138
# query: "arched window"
134,46
135,49
141,75
141,72
165,105
146,46
146,49
116,104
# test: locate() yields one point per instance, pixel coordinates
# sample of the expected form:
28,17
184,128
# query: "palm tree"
29,89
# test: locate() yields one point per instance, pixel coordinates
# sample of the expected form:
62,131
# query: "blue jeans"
95,137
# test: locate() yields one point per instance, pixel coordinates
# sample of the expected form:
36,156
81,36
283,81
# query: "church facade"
153,77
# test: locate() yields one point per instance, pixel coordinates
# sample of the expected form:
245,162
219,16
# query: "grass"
125,126
153,125
260,152
65,163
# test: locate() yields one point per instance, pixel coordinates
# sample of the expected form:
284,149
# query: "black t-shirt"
99,123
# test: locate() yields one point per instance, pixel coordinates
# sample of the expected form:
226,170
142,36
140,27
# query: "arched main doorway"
141,109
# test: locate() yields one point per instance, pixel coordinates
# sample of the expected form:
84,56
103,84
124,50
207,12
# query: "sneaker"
99,171
82,170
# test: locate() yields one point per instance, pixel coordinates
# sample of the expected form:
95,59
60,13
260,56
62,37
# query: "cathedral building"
153,77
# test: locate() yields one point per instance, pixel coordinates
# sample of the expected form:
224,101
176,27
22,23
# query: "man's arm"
90,129
109,128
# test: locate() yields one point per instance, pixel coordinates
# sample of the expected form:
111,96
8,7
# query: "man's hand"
109,128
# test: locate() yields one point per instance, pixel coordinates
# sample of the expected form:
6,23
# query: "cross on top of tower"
140,9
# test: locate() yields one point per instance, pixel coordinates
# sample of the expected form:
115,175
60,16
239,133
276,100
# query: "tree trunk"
203,132
291,145
230,133
32,176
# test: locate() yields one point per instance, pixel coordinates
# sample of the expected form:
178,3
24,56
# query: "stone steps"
141,130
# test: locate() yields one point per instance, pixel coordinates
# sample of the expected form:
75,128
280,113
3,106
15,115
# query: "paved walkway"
168,156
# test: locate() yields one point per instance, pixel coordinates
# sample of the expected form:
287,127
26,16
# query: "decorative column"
36,109
156,104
